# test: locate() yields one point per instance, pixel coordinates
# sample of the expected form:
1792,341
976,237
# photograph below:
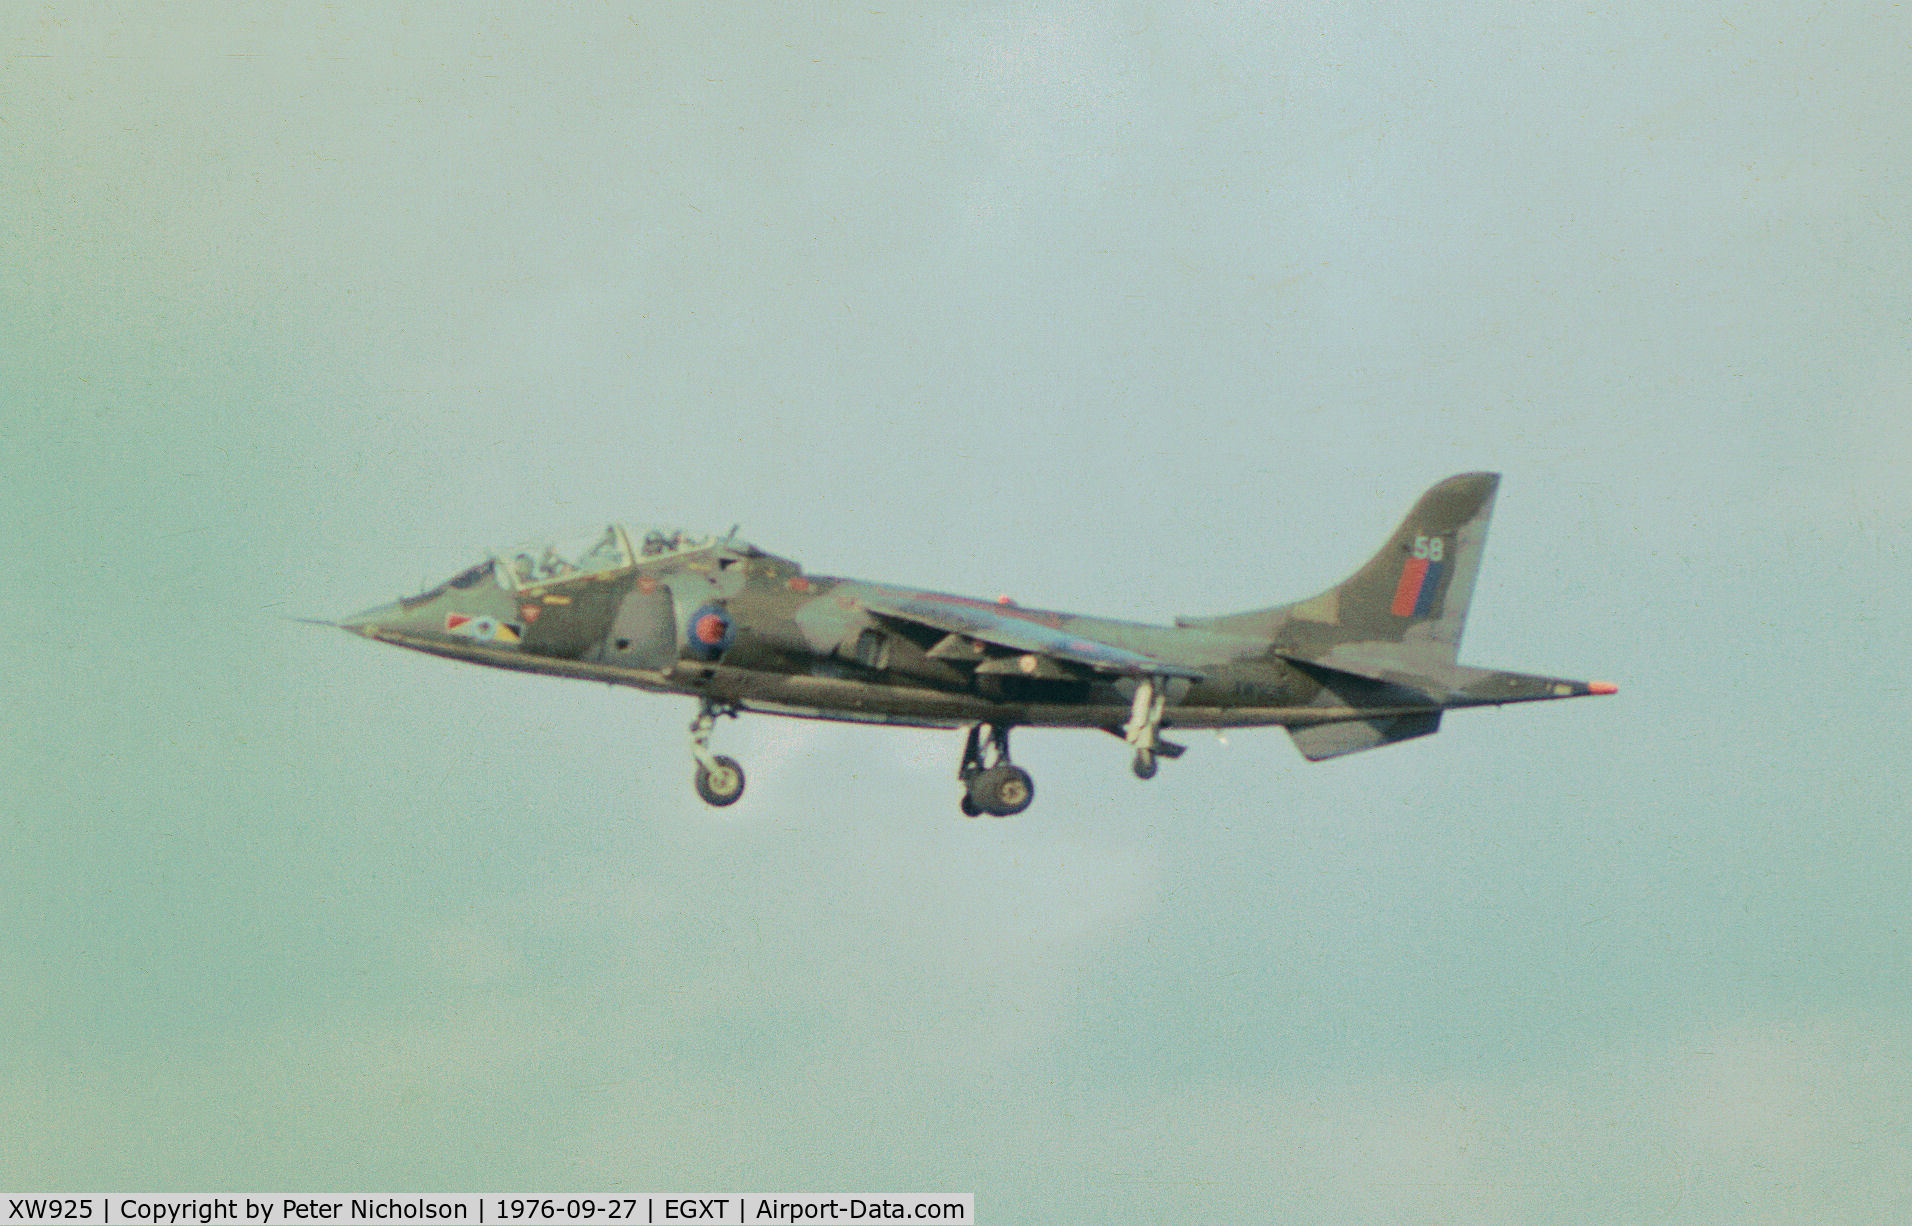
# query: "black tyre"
1145,765
968,805
1002,791
721,786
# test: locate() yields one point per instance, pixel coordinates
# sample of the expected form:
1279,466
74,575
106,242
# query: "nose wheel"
992,784
720,781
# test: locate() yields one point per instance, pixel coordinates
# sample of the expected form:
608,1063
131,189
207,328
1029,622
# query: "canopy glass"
590,553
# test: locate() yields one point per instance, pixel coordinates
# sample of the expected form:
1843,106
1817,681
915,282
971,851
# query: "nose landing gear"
720,781
991,783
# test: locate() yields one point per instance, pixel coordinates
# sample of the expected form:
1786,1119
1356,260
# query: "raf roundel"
710,631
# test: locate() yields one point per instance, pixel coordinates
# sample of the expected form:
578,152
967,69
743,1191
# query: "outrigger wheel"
722,782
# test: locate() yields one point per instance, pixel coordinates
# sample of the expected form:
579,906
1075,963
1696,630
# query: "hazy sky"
1133,309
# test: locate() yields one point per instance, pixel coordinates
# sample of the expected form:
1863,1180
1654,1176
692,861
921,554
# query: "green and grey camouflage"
1367,663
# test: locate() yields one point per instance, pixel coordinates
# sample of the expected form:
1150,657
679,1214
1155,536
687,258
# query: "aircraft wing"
1016,629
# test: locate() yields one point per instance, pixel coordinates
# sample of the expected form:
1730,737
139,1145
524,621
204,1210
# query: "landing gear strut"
991,783
1143,731
720,781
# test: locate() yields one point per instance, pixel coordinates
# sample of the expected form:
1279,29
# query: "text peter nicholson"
732,1209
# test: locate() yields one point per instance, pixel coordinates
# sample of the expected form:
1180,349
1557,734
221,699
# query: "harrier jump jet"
1362,665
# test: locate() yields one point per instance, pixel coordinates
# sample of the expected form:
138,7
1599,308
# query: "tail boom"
1382,646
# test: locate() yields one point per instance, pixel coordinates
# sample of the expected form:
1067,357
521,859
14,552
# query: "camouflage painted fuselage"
1366,663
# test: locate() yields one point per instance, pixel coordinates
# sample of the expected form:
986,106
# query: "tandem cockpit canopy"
611,548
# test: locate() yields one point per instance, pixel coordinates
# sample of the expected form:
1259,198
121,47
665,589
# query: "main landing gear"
991,783
720,781
1143,731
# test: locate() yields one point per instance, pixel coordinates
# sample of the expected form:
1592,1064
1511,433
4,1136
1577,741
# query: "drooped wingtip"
1602,687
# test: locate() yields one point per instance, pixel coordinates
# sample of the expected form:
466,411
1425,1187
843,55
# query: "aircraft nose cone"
372,620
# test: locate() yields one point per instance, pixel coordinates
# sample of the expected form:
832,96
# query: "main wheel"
1002,791
723,785
968,805
1145,764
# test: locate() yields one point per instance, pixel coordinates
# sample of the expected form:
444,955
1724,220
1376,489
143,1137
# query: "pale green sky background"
1133,309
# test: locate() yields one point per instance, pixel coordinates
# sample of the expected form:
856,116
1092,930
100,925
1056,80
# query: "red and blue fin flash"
1414,595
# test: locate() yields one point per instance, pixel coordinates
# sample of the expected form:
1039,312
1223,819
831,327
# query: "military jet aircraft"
1365,664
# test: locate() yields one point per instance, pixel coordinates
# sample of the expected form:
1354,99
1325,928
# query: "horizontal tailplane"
1319,741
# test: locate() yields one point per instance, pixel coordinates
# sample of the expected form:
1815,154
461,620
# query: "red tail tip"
1602,687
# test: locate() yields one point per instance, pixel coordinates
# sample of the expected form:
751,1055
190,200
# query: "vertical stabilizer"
1409,603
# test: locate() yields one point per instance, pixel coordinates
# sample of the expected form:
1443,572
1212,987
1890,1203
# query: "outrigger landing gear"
991,783
1143,731
720,781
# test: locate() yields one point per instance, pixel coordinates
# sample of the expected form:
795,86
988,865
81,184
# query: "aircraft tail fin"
1408,605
